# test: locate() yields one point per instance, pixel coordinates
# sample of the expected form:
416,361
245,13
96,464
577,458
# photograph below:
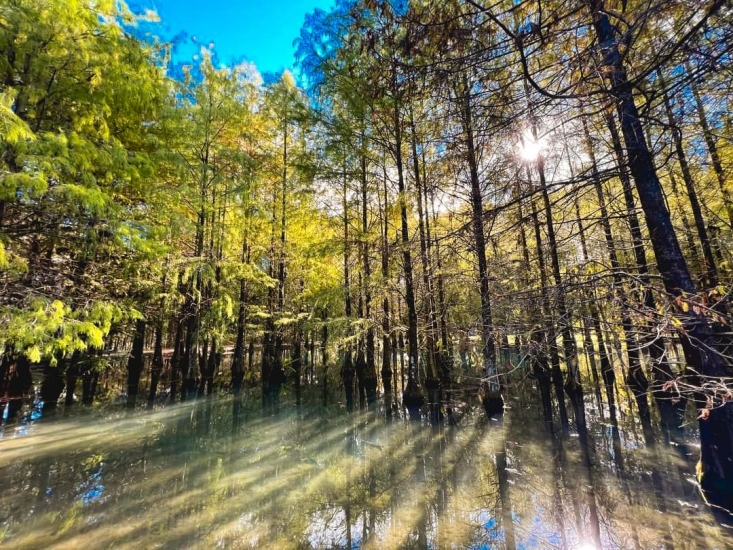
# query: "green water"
188,476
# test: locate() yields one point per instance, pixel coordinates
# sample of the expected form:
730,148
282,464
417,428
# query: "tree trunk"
412,397
549,339
712,147
636,380
239,347
135,363
716,427
432,379
661,370
157,367
348,372
72,374
491,388
386,343
370,370
711,272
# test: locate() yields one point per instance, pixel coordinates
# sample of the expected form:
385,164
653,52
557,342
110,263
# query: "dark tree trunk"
711,272
491,388
19,384
135,363
432,375
190,356
52,386
157,366
712,147
412,397
324,359
587,337
72,375
661,370
549,339
537,352
296,363
573,385
348,372
213,367
239,347
176,361
698,341
636,380
386,343
370,370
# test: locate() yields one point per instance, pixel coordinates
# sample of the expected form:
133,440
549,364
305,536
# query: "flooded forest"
459,279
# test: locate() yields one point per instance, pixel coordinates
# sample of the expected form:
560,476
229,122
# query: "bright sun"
530,148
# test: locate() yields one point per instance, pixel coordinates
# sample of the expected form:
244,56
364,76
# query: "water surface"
188,476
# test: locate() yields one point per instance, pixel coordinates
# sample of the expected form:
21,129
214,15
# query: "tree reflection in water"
190,476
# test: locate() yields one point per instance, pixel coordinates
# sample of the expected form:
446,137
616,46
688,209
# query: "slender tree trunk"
711,272
636,380
72,375
432,379
135,363
176,360
370,381
550,339
324,358
573,385
239,347
712,147
491,388
538,357
157,366
386,343
296,364
587,337
412,397
661,370
52,385
348,372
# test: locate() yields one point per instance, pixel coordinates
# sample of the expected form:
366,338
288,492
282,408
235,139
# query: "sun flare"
530,148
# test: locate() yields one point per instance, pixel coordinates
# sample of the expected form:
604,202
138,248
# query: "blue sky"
261,31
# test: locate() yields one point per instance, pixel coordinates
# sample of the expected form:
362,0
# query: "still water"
189,476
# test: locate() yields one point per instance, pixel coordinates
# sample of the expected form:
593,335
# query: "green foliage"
51,329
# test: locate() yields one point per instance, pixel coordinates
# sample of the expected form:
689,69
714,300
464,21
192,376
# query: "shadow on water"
220,473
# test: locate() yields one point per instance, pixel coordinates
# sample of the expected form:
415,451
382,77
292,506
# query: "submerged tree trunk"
491,398
636,380
661,370
386,343
135,362
573,384
412,397
324,358
52,385
348,372
19,384
157,366
370,370
177,360
72,374
549,340
432,378
239,347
